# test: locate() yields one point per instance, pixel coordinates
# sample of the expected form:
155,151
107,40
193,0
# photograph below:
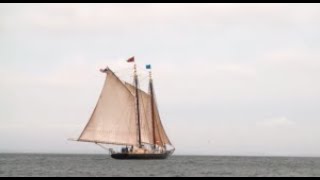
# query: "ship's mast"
136,81
152,109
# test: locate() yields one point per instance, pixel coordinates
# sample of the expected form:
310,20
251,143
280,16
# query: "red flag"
130,60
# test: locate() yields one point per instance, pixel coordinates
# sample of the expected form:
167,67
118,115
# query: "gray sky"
231,79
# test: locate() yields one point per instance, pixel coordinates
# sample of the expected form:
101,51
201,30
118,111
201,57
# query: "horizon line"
176,155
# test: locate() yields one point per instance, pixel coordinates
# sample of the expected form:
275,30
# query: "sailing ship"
128,117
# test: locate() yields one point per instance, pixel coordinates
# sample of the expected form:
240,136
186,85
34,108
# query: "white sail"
147,134
161,135
145,114
114,118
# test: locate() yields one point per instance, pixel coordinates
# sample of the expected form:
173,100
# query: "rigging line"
143,82
122,72
143,70
144,79
123,69
129,74
105,148
105,142
126,71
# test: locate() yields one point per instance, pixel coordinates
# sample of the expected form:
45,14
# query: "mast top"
135,69
148,67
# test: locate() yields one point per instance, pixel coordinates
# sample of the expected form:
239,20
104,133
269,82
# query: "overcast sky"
230,79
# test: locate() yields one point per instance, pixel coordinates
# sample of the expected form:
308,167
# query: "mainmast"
136,81
152,109
152,106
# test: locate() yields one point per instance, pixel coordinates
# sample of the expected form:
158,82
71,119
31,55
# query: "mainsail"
114,119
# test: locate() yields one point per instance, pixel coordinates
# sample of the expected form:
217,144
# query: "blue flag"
148,66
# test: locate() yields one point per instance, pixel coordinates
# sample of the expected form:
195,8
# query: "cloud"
277,122
133,16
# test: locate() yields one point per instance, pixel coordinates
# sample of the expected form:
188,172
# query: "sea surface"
176,166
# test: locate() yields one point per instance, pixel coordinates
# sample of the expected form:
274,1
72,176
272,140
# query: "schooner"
127,116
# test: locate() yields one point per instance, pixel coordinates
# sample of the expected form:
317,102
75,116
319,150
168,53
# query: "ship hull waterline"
126,156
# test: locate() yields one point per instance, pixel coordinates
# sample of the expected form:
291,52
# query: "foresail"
161,137
114,118
145,112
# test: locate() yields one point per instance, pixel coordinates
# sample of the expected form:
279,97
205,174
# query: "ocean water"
102,165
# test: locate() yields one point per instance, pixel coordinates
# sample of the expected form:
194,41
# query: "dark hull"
121,156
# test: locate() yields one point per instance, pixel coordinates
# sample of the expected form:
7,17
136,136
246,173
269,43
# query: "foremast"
136,82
